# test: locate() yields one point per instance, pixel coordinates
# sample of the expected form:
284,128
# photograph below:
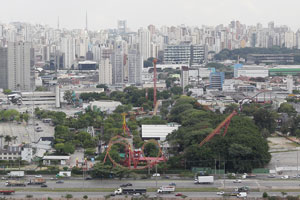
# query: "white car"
38,176
156,174
285,177
221,193
237,181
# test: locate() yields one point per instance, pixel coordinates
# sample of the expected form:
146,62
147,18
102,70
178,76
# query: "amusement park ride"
133,158
136,159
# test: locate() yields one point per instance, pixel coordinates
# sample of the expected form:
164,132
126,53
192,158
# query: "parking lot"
25,132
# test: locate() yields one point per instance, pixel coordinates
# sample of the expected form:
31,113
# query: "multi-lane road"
271,184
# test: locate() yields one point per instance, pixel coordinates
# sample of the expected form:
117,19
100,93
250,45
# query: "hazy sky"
141,13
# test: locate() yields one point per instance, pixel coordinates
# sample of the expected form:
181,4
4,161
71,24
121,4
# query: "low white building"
253,71
158,132
105,105
160,85
196,92
63,160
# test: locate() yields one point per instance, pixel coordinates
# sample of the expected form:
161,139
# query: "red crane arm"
217,130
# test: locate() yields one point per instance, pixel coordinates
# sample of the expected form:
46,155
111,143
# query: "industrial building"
284,70
87,65
270,58
252,71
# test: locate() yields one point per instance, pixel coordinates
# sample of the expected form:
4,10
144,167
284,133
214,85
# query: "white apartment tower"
18,66
68,48
144,43
117,62
184,77
105,72
135,66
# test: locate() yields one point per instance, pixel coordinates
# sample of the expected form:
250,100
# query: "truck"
14,183
242,189
64,174
204,180
7,192
36,181
166,189
121,191
16,174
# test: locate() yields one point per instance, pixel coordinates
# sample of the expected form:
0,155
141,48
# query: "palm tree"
1,143
14,138
8,139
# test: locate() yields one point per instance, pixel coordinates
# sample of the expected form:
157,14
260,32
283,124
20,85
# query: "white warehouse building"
253,71
158,132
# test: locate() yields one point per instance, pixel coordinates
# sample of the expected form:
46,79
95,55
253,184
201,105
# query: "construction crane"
217,130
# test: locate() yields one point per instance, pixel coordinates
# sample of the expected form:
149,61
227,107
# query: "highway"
270,184
22,194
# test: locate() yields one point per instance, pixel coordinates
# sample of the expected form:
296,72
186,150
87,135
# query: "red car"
178,194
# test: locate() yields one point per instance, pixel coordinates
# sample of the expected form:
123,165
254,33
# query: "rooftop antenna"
86,21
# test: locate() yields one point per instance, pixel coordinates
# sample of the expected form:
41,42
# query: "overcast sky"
140,13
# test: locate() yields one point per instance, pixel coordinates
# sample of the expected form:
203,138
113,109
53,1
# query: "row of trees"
11,115
243,148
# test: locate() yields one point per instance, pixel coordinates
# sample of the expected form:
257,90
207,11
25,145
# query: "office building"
185,54
135,66
15,69
122,26
184,78
105,72
216,80
144,43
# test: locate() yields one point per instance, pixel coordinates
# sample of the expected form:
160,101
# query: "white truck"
16,174
132,191
204,180
166,189
64,174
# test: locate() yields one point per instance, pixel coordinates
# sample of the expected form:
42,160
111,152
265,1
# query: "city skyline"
104,15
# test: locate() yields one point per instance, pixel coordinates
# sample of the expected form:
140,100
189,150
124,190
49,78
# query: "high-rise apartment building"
117,62
184,78
105,72
122,26
3,68
68,48
135,66
15,68
144,43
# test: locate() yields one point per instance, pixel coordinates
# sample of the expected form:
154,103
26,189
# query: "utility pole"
224,175
156,175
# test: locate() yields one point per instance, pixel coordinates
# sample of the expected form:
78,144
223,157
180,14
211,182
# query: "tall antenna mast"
86,21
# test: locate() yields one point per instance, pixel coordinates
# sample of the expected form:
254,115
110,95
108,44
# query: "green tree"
264,118
287,108
176,90
7,91
68,96
102,86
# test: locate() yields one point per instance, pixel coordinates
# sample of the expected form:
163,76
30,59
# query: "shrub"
85,197
69,196
265,195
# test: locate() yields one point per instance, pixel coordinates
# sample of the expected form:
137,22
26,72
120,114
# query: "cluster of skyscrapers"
120,52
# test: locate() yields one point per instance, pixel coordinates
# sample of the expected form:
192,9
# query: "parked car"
285,177
88,178
156,174
60,181
271,176
237,181
221,193
178,194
